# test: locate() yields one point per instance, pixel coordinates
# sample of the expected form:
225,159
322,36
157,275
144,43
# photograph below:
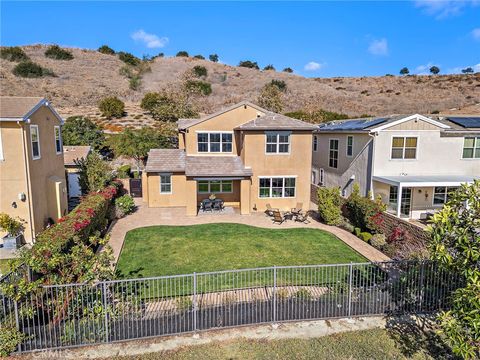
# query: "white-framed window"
277,142
215,186
393,196
442,194
471,147
333,153
404,147
315,143
321,181
214,142
350,145
58,139
35,141
165,183
314,177
276,187
1,146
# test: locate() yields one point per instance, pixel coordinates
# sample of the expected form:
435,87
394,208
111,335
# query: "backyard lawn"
169,250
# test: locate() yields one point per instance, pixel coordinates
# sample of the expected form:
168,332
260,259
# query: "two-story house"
411,162
245,155
32,174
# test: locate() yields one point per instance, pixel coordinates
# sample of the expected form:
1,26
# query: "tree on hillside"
112,107
455,243
80,130
269,67
404,71
137,143
288,70
168,106
105,49
213,57
248,64
318,115
271,98
199,57
467,70
434,70
182,53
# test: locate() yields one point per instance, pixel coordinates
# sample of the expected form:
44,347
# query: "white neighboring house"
70,155
414,158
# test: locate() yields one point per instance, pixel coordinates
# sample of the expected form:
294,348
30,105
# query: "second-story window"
315,143
58,140
471,148
35,141
333,153
404,147
277,143
214,142
349,145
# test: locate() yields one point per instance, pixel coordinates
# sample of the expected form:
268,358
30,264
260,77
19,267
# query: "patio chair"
298,208
270,210
299,217
218,205
277,217
207,205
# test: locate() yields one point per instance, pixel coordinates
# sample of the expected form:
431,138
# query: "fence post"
350,276
422,284
194,302
104,292
17,322
274,317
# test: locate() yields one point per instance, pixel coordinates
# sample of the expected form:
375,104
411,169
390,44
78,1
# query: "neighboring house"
415,158
70,155
245,155
32,175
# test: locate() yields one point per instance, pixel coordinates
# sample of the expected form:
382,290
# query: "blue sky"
320,39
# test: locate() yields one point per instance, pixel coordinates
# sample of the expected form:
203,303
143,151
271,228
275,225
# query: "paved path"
145,216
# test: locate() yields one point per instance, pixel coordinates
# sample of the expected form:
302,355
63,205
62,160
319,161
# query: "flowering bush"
124,205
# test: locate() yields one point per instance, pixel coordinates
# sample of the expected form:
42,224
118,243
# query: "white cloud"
444,8
378,47
313,66
151,41
458,69
476,33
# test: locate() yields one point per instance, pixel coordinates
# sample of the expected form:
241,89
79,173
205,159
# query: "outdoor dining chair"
207,205
298,208
218,205
299,217
270,210
277,217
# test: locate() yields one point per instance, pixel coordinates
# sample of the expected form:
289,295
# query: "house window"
442,194
277,143
314,177
333,153
322,177
214,142
393,196
35,140
215,186
277,187
349,145
404,147
58,140
166,184
315,143
471,148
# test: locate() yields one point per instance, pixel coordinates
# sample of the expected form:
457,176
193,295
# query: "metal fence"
61,316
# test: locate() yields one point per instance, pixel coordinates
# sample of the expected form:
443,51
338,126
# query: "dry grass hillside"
80,83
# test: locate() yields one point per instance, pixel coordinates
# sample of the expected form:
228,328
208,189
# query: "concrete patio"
145,216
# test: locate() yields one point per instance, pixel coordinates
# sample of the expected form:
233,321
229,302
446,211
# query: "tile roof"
216,166
16,106
71,153
168,160
273,121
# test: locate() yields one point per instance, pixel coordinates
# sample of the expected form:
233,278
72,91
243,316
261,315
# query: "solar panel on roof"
466,122
354,124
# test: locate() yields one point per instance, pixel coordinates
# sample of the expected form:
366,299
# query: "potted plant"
212,197
14,230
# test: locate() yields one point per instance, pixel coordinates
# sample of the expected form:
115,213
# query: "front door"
136,187
406,201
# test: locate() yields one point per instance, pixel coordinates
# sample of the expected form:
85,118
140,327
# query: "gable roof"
183,124
72,153
20,108
273,121
165,160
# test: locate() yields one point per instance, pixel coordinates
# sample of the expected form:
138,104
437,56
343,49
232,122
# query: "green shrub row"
57,53
330,205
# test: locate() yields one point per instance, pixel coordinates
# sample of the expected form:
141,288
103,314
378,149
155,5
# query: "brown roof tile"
17,107
273,121
71,153
166,160
216,166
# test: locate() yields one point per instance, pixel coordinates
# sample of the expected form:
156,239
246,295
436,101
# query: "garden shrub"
363,212
182,54
13,53
105,49
168,106
345,225
135,82
94,172
10,337
365,236
128,58
357,231
329,205
124,205
112,107
57,53
200,71
123,172
249,64
29,69
198,87
378,241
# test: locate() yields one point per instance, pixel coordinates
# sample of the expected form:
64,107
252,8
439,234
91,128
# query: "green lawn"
366,344
169,250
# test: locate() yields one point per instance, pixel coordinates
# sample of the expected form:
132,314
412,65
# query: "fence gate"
136,187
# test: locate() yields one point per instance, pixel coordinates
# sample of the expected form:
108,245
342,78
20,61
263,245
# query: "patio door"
406,201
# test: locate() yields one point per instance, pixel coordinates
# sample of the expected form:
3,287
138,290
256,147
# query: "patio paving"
145,216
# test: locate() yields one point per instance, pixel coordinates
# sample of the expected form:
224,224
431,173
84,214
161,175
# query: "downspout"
27,179
370,166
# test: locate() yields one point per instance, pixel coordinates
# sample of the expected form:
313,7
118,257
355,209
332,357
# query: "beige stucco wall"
46,192
156,199
297,163
347,165
223,122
